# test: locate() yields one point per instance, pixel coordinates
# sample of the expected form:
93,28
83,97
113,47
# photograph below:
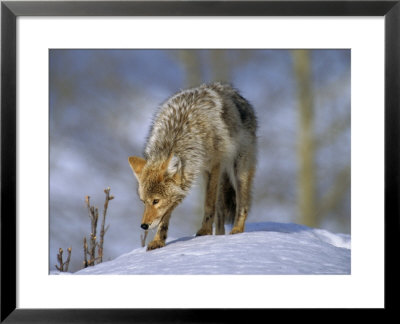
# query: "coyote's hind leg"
212,182
243,197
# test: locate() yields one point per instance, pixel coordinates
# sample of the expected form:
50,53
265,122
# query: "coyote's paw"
204,231
236,230
155,245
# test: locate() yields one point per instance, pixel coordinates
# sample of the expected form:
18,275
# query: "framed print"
80,81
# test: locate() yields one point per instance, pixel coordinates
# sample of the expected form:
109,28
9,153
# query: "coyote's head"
159,187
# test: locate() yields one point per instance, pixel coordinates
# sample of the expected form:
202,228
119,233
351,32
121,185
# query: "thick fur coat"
208,130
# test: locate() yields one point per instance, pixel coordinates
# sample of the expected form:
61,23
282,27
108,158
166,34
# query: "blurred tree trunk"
219,66
190,59
306,141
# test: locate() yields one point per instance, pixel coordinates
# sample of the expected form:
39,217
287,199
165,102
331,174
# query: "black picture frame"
10,10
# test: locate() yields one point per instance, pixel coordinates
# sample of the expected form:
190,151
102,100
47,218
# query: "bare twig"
66,264
94,217
60,260
102,230
63,266
93,235
85,253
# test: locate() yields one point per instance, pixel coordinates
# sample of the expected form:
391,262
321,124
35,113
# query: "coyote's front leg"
161,235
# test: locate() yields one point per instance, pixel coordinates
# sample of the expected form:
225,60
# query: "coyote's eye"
155,201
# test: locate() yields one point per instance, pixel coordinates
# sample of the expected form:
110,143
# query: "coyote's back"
210,130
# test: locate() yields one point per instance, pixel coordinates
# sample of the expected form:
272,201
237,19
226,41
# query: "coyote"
208,130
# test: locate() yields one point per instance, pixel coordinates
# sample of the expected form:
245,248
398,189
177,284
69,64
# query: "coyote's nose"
144,226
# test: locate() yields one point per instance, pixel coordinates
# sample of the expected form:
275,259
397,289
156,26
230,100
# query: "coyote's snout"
209,130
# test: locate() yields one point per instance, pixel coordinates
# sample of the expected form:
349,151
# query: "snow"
56,272
264,248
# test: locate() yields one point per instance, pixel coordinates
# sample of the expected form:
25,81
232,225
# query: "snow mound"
264,248
59,273
338,240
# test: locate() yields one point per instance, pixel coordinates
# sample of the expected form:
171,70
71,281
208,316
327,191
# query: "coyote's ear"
173,166
137,165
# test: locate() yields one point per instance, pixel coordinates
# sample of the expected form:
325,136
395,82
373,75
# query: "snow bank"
265,248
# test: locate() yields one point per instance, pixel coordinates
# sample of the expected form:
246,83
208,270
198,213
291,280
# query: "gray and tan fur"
208,130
